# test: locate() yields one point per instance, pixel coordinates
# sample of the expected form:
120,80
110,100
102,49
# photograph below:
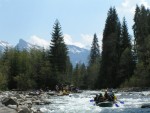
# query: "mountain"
3,46
76,54
23,45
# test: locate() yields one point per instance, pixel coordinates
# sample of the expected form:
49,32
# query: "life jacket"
111,96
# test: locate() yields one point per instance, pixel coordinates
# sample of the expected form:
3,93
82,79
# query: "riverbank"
133,89
31,101
23,101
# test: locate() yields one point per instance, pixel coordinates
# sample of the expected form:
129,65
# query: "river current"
80,103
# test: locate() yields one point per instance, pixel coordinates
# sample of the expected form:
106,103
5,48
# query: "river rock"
145,106
9,101
51,93
7,110
34,93
25,110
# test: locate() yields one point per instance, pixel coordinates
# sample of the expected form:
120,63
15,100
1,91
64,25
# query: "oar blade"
116,105
122,102
91,100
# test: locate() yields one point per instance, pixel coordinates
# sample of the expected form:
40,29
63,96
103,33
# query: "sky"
33,20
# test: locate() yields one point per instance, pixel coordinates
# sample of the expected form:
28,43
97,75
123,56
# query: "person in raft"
110,96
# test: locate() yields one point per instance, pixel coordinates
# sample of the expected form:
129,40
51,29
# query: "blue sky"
32,20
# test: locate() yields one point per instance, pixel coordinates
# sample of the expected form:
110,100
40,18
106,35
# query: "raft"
105,104
63,93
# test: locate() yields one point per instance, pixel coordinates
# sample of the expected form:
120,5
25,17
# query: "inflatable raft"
105,104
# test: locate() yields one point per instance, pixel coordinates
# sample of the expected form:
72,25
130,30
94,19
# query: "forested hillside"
124,61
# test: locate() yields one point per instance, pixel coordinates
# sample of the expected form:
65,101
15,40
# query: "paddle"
122,102
91,100
116,105
115,102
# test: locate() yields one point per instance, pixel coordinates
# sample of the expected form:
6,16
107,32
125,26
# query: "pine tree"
95,52
126,63
94,63
58,50
141,29
58,55
125,37
76,74
110,51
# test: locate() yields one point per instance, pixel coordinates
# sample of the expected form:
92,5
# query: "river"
80,103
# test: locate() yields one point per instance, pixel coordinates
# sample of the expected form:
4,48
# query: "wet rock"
17,96
25,110
45,102
142,94
9,101
22,102
34,93
39,111
7,110
37,102
41,102
145,106
12,107
51,93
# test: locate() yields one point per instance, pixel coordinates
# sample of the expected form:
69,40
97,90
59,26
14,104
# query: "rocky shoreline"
28,101
23,101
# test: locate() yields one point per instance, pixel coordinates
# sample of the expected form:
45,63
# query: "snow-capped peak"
75,49
3,45
76,54
24,45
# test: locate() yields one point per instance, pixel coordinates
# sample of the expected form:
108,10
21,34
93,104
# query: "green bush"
24,82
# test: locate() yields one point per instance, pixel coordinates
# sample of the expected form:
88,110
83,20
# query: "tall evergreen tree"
76,74
140,29
58,50
125,37
95,52
94,63
110,51
126,63
58,55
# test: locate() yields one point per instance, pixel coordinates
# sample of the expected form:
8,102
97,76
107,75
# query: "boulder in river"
145,106
24,110
9,101
7,110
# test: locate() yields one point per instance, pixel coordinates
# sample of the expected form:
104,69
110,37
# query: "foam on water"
80,103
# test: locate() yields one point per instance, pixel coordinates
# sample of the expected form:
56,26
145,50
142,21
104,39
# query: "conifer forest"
122,61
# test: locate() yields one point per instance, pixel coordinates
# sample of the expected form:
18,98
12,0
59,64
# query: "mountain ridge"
76,54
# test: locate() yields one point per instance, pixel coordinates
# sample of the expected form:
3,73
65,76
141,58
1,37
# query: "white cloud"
39,41
125,3
145,3
127,7
85,40
69,40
